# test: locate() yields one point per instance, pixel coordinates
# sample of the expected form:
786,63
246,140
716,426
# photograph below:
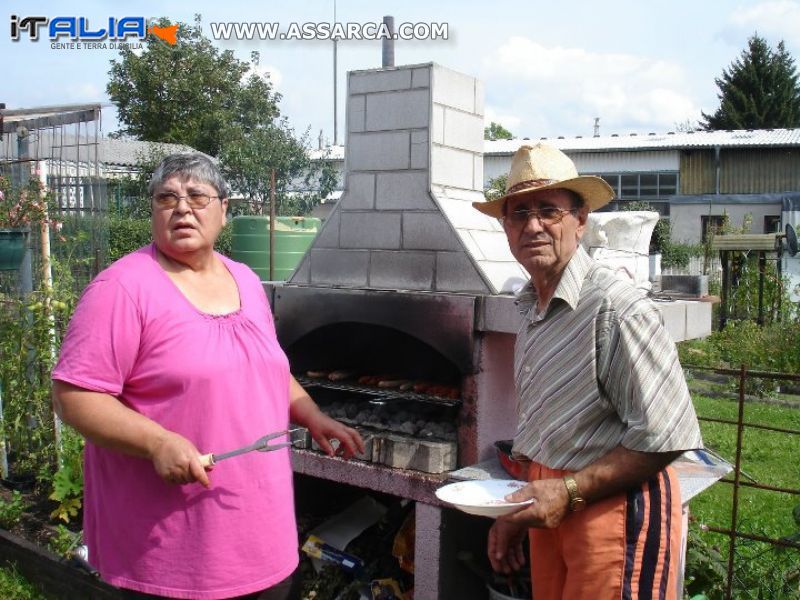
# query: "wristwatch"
576,502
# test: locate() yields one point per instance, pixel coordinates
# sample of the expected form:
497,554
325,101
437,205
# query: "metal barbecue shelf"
388,394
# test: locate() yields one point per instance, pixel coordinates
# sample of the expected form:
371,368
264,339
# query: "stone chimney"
413,166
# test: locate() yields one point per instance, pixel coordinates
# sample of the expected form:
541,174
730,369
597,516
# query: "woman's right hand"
177,460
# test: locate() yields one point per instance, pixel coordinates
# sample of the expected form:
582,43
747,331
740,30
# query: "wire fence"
740,551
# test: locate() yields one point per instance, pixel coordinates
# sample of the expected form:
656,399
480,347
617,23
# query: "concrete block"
398,110
503,277
367,436
329,236
379,81
463,131
470,244
356,112
404,190
494,245
500,314
451,167
695,285
698,320
360,191
477,173
458,208
419,149
421,77
402,270
369,230
302,273
408,453
339,267
437,124
456,273
480,95
453,89
674,316
388,151
428,231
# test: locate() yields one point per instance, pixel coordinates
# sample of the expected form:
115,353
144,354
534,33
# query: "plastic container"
293,237
12,248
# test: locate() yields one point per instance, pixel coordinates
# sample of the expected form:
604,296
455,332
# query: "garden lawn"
770,458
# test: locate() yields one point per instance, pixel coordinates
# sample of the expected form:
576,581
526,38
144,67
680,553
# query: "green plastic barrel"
12,248
293,236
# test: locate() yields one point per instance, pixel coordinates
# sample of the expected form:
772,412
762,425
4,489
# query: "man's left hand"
550,506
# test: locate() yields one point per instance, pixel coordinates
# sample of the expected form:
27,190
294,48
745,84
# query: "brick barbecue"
407,280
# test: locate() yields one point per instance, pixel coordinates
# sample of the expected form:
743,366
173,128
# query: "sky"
549,68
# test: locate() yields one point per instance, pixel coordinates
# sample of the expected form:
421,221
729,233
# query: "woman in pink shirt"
172,354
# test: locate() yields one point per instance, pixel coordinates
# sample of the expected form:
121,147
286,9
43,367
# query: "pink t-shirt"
220,381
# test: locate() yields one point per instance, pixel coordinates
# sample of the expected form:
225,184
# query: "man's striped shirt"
597,369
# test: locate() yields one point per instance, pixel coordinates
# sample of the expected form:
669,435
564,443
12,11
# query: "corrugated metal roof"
654,141
648,141
111,151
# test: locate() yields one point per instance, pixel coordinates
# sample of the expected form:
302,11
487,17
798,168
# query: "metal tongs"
260,445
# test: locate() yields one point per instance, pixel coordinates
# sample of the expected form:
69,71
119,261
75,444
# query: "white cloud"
774,18
559,90
508,121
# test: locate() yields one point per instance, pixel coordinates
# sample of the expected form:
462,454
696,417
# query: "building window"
772,223
635,186
667,184
613,181
711,224
648,185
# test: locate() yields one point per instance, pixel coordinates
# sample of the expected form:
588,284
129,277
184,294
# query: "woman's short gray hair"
189,165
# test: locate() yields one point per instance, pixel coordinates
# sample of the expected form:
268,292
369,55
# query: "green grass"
770,458
14,586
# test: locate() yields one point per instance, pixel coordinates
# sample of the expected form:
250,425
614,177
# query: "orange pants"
622,547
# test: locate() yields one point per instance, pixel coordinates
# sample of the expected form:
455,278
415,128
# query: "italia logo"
79,29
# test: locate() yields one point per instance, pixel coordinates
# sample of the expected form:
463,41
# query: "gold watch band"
576,501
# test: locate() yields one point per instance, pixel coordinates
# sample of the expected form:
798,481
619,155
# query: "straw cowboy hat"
542,167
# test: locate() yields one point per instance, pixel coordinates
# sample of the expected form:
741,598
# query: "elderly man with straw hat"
603,404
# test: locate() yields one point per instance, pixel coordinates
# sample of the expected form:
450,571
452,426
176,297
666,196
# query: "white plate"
482,497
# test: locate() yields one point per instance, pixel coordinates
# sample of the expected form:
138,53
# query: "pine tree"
759,90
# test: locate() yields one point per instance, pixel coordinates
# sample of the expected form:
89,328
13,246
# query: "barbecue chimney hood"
413,167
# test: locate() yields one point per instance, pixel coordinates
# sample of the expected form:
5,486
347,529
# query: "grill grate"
387,395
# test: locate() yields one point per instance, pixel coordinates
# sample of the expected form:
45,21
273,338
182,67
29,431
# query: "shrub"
678,255
126,235
11,510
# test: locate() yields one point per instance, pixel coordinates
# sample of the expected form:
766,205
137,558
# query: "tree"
248,160
495,131
193,94
496,187
758,91
188,93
